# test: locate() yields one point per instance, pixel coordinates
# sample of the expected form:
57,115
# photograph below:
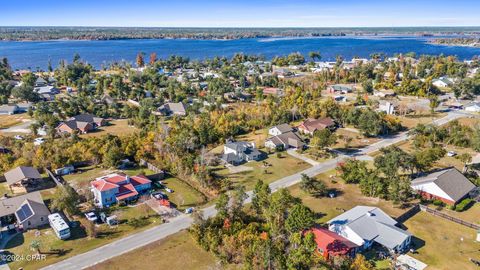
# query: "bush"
138,222
438,203
463,205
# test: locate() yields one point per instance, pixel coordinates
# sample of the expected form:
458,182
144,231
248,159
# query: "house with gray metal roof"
366,225
448,185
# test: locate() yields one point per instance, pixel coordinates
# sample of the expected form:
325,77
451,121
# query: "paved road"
181,222
20,128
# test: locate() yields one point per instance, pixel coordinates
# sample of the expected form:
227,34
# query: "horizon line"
253,27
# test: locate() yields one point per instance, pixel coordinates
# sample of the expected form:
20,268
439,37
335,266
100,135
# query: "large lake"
36,54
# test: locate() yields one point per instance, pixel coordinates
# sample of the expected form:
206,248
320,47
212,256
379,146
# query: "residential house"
366,225
73,125
22,175
384,93
310,125
279,129
344,89
238,152
275,91
448,185
283,137
474,107
40,82
443,82
90,118
172,108
330,244
387,107
26,211
8,109
119,187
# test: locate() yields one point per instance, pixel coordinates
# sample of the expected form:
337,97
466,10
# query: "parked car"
18,137
158,195
168,190
189,210
91,216
38,141
451,153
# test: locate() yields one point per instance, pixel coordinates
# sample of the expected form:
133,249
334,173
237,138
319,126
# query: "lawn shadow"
16,241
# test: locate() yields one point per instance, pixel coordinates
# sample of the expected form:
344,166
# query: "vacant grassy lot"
183,195
178,251
472,214
85,175
348,196
411,120
116,127
77,244
276,168
443,244
7,121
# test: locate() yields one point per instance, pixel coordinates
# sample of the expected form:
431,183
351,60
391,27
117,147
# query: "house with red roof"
117,187
330,244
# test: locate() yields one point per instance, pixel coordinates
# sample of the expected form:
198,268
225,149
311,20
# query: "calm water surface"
36,54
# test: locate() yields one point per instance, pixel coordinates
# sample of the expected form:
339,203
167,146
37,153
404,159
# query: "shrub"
438,203
463,205
138,222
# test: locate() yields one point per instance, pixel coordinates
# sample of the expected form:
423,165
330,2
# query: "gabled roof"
371,223
139,180
450,181
126,191
283,128
317,124
102,185
8,206
89,118
288,139
332,242
21,173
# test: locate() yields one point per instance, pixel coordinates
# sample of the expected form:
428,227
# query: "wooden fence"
448,217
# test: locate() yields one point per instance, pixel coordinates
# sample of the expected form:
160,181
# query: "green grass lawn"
7,121
78,243
184,196
85,175
348,197
116,127
278,168
439,242
178,251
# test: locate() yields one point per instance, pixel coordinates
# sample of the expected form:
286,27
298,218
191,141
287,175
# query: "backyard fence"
448,217
58,181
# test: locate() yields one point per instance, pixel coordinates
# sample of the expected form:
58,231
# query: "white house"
279,129
238,152
474,107
443,82
387,107
366,225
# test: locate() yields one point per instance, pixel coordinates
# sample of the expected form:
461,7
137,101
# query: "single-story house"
275,91
330,244
279,129
309,126
285,141
448,185
9,109
90,118
71,125
26,211
366,225
238,152
22,175
344,89
172,108
443,82
116,187
474,107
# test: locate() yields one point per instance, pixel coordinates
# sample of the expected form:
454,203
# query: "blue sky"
240,13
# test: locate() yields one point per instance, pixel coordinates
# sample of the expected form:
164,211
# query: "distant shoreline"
130,33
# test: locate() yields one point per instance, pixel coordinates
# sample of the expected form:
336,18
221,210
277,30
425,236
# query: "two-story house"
238,152
116,187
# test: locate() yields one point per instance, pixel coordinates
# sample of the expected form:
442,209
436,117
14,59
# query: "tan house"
26,211
22,175
73,125
309,126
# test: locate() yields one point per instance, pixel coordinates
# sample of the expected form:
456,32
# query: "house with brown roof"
90,118
310,125
448,185
283,137
26,211
172,108
71,126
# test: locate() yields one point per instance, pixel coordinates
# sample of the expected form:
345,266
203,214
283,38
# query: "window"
29,223
41,218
